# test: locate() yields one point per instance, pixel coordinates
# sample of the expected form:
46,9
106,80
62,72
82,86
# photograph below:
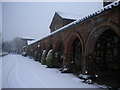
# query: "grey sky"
32,19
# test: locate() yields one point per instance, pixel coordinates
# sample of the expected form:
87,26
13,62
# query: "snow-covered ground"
23,72
0,73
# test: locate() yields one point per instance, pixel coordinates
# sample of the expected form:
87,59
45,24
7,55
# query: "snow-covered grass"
22,72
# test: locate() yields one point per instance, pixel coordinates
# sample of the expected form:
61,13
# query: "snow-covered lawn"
23,72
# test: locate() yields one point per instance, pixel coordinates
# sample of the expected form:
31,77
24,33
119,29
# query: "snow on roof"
27,38
31,42
109,6
69,15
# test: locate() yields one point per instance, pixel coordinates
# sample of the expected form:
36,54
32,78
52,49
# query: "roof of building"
69,15
61,16
30,42
27,38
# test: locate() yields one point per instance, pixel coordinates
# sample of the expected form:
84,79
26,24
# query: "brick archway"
103,53
68,54
94,36
96,32
70,40
57,43
48,44
43,46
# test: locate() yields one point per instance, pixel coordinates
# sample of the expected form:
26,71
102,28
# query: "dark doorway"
77,52
106,58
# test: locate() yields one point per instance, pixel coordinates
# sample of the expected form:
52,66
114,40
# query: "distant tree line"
13,46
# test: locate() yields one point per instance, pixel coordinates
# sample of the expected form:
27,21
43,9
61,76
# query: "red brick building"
89,44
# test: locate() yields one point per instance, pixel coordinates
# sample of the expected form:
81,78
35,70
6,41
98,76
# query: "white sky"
32,19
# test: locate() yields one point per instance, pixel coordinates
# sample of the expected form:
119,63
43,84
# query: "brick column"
66,59
84,64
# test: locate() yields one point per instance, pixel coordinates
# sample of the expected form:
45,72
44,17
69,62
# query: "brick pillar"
84,64
66,59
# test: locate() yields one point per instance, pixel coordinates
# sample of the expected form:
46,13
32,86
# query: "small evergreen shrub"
43,59
39,56
35,56
50,59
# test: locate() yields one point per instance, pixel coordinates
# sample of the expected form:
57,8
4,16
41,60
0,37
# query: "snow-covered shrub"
35,55
43,59
39,56
50,59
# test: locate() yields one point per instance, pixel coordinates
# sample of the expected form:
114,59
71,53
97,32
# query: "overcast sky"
32,19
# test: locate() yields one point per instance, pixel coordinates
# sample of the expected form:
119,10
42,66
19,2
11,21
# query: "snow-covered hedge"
43,59
50,59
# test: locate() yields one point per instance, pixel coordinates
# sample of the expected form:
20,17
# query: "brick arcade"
89,44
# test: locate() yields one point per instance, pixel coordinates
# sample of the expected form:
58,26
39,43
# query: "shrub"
35,55
39,56
50,59
43,59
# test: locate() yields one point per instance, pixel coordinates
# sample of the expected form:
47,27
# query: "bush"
43,59
39,56
50,59
35,56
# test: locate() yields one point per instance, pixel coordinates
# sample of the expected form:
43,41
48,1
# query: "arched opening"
73,53
105,59
76,55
